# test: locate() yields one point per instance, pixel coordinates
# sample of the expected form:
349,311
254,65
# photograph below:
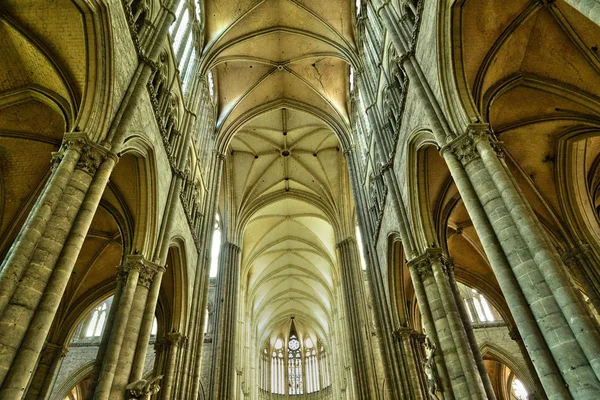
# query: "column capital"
52,351
231,247
147,269
571,257
423,263
175,338
348,241
464,146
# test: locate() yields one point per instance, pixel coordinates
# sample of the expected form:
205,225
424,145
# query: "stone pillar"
45,374
138,314
356,316
149,313
413,376
487,383
39,265
223,363
430,269
571,337
390,356
174,338
135,272
190,374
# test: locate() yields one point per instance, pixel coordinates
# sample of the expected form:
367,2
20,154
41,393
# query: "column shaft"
356,315
225,337
129,273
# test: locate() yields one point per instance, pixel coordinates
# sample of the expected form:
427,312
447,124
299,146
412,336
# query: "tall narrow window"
478,307
211,85
363,263
277,368
216,248
181,29
93,325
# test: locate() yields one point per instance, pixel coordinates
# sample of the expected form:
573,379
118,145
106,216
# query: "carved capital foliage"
464,146
423,264
147,270
91,155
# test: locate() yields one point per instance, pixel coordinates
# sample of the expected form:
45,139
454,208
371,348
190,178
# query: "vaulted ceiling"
281,70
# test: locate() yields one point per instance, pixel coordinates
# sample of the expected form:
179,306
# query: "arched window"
312,367
303,370
518,390
478,308
277,368
216,248
93,324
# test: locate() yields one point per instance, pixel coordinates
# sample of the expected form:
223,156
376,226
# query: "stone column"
412,384
356,316
487,383
39,270
149,314
431,269
390,356
571,337
112,340
137,314
191,359
174,338
223,363
45,374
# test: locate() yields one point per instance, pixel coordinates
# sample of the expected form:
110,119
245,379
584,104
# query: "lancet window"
478,307
216,248
93,324
184,32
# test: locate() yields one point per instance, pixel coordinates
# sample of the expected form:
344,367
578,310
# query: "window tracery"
294,367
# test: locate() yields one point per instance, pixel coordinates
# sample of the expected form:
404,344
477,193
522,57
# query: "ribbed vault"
281,73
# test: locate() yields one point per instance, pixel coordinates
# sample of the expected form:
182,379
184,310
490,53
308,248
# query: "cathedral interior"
300,199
